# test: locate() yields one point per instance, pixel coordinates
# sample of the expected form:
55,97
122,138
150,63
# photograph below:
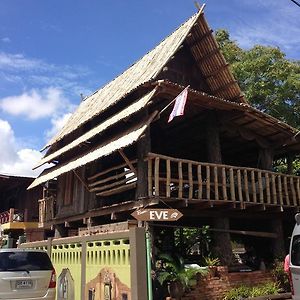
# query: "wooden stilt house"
118,153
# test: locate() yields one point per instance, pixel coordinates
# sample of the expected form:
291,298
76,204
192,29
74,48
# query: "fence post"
138,263
83,267
49,246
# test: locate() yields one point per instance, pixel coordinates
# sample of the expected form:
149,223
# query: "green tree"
270,81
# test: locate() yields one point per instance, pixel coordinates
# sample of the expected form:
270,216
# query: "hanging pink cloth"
287,263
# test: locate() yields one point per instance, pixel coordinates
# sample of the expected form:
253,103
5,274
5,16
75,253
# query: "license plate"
24,284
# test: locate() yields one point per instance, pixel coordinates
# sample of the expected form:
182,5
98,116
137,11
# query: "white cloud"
15,161
57,124
36,104
33,72
6,40
274,23
19,62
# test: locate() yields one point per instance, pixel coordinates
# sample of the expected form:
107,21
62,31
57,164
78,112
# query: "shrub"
244,292
280,276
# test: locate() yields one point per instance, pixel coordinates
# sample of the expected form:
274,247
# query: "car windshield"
295,253
24,261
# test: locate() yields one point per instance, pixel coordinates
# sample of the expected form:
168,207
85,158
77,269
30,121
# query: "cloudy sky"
52,51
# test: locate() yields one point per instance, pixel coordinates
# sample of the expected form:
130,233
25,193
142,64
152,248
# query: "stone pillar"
221,244
278,247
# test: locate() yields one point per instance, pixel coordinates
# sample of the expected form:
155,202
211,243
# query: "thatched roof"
259,125
125,113
197,35
104,149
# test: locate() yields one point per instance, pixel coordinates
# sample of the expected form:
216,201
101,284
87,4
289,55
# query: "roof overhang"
124,140
123,114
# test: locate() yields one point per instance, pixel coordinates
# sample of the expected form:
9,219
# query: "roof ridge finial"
200,8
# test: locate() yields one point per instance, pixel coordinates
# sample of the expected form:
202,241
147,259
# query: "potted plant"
176,275
212,263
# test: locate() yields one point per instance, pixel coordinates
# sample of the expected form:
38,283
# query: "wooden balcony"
46,210
218,184
15,219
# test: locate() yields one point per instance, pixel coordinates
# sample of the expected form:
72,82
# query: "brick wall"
214,287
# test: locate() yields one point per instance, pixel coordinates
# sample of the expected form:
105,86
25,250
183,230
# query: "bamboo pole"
268,192
150,178
117,190
253,187
208,182
99,182
232,189
298,191
224,187
110,169
260,188
216,183
190,175
286,192
280,190
130,165
246,186
168,182
274,193
239,186
108,186
180,177
156,176
293,191
199,175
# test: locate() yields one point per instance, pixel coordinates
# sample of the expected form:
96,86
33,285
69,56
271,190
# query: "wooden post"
266,156
289,161
278,244
221,246
213,139
143,148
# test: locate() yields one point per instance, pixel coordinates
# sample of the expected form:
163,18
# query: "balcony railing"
12,215
185,179
46,210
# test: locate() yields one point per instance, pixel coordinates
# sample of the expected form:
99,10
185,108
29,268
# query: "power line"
296,2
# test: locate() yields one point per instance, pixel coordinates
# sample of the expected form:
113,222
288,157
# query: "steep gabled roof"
204,48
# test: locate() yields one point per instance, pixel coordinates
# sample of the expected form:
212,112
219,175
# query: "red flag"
178,109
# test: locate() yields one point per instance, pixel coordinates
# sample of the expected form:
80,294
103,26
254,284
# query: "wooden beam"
82,181
223,87
208,55
130,165
248,135
107,210
217,71
240,232
199,40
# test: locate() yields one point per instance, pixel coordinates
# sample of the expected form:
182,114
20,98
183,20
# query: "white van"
26,274
295,260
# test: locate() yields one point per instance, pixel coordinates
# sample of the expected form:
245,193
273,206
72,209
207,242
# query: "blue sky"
51,51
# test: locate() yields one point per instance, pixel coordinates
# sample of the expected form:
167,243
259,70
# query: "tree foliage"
270,81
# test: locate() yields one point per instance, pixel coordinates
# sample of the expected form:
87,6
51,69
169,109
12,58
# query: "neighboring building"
19,209
118,153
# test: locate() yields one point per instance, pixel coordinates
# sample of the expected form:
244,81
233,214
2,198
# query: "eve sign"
157,214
